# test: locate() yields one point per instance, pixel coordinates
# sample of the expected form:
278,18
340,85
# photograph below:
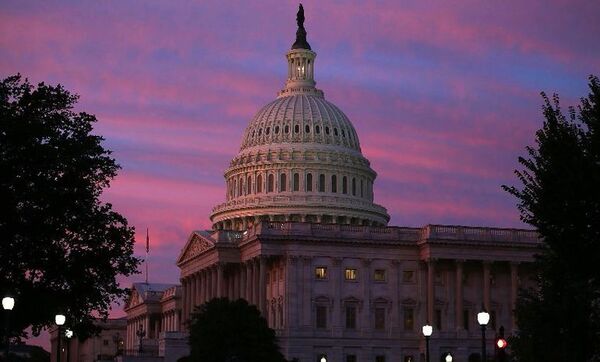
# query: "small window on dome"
317,129
260,132
307,129
296,129
335,132
276,129
286,129
326,130
268,130
343,134
253,134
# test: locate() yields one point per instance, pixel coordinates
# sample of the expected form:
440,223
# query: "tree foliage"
223,330
61,247
559,320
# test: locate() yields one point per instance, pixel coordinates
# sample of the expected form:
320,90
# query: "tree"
559,319
61,247
223,330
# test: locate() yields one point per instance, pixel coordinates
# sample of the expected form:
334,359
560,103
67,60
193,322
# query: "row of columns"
486,269
170,321
133,325
247,280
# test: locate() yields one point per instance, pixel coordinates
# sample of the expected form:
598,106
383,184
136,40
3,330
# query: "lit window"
350,274
379,318
407,276
321,272
379,275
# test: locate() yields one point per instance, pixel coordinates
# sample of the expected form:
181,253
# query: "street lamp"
483,318
427,331
8,303
59,319
448,357
141,333
69,335
323,358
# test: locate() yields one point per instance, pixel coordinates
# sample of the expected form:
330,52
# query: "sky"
444,95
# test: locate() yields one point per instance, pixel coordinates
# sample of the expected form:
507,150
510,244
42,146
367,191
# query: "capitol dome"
300,160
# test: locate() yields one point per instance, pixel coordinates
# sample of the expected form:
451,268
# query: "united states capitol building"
300,237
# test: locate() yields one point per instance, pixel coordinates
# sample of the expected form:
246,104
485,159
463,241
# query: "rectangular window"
350,274
408,276
321,316
350,358
379,275
351,316
321,272
466,319
409,319
380,358
438,319
380,318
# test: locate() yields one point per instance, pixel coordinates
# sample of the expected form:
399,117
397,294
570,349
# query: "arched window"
249,185
344,185
296,129
335,131
286,129
270,183
353,186
276,129
321,183
309,182
307,129
326,130
362,189
296,186
317,129
234,187
241,187
259,184
333,183
282,182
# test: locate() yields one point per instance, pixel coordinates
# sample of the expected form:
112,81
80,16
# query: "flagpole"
147,250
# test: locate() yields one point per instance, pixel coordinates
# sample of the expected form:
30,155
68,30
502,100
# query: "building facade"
300,237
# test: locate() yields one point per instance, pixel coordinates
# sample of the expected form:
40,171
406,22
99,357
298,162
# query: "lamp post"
68,334
427,331
8,303
141,333
59,319
483,318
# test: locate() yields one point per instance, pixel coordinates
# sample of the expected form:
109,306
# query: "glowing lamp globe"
8,303
427,330
59,319
448,358
483,318
68,333
501,343
323,359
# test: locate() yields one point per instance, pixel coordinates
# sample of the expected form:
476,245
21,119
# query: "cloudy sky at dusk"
444,95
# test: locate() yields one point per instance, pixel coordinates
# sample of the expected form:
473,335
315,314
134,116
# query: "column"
238,282
430,289
184,284
395,277
290,299
262,286
486,285
255,282
514,285
249,281
307,277
366,323
198,289
459,295
220,281
337,280
230,285
243,287
214,285
192,294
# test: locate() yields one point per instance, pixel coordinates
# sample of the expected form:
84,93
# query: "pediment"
196,245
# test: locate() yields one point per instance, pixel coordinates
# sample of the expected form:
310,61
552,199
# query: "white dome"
300,160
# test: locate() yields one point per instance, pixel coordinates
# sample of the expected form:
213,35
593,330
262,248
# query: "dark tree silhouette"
223,331
559,320
61,248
